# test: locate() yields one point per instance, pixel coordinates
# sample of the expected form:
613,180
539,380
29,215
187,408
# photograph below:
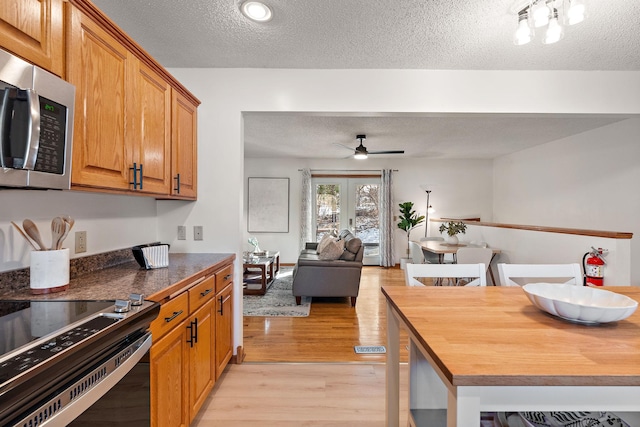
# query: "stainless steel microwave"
36,126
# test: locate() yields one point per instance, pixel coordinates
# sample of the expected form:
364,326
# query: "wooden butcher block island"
486,349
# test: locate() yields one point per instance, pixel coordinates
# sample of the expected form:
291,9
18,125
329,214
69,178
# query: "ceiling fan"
361,152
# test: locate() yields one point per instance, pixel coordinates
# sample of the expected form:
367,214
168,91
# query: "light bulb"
431,210
554,32
256,11
540,13
576,12
524,33
360,156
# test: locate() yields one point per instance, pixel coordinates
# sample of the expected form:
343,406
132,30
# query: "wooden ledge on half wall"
576,231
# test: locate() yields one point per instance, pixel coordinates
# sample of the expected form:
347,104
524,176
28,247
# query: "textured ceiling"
383,34
443,136
419,34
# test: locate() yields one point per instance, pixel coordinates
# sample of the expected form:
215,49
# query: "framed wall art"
268,205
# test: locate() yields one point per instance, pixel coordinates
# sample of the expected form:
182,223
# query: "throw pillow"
332,251
324,242
353,245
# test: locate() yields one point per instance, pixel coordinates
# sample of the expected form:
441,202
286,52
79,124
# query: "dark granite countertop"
119,281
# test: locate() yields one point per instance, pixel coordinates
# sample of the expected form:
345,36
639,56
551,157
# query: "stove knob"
136,299
122,306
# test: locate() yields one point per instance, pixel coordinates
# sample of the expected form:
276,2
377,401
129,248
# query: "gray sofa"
313,277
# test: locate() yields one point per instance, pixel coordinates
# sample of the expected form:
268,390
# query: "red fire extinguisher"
593,264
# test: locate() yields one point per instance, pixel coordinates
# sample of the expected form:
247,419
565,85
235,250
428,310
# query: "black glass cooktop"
22,322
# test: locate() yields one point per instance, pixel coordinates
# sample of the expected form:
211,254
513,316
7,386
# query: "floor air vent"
370,349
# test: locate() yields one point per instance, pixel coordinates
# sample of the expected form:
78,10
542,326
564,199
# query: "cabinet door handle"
205,293
177,187
135,176
141,176
193,332
222,301
175,314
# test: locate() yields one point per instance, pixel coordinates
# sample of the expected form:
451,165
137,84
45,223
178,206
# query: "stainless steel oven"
75,362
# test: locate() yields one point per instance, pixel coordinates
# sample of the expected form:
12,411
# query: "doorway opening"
351,203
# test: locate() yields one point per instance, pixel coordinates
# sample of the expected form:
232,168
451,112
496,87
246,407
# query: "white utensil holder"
49,271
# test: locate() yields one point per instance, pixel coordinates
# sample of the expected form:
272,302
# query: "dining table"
480,350
442,248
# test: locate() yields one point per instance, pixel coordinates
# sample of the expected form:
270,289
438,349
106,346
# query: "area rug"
278,301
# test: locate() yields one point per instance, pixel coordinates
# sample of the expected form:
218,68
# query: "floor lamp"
429,211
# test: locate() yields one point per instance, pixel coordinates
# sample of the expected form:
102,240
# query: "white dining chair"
529,273
474,256
445,271
427,256
415,253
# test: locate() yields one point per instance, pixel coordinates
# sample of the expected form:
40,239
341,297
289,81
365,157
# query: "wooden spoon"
32,231
24,235
68,226
58,229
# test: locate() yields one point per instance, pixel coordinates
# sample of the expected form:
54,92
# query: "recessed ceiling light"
256,11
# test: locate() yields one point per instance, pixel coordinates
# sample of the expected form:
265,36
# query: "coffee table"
259,272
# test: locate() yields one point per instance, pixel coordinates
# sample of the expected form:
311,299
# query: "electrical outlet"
182,232
197,232
81,242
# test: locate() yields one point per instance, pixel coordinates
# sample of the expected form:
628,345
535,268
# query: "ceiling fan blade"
343,146
387,152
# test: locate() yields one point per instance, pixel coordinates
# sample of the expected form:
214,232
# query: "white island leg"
393,370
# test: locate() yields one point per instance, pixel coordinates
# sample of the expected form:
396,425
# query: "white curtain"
386,221
306,214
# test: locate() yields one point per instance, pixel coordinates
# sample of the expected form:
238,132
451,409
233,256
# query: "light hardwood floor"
332,329
304,371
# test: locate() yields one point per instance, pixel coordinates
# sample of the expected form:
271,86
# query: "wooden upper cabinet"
34,30
135,125
151,130
99,67
184,147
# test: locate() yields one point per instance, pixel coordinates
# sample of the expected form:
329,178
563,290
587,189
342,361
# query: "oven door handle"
116,365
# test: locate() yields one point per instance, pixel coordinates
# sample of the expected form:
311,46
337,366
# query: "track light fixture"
552,14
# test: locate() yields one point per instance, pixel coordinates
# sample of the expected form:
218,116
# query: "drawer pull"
175,314
205,293
227,277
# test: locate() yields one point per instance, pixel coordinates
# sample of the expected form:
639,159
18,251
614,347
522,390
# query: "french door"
350,203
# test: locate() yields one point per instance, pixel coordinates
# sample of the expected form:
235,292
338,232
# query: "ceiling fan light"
256,11
360,155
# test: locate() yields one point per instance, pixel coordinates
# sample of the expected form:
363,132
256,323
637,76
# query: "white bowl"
580,303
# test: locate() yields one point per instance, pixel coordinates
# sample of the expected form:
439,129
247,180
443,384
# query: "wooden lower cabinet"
224,329
169,382
201,357
187,357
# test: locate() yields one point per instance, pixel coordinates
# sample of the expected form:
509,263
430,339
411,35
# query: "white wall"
459,187
226,93
111,222
584,181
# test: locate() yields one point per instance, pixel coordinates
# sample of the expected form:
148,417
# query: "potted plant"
409,220
453,228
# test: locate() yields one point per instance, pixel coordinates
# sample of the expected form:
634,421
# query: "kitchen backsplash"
19,279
